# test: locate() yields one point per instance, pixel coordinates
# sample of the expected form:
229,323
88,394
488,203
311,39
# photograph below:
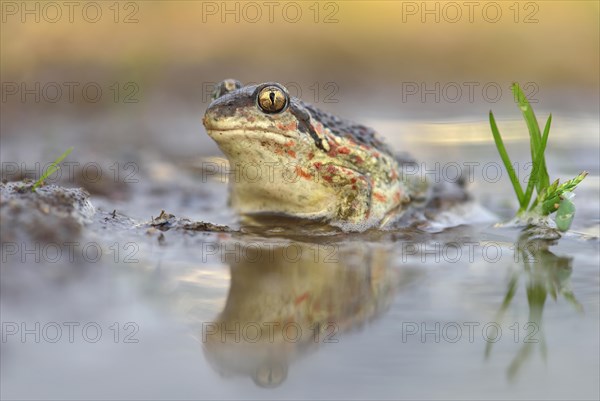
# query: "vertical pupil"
271,100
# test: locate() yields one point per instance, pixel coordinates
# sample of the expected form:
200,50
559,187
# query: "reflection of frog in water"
295,160
287,298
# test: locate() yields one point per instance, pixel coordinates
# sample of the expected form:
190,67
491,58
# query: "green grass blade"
539,155
542,179
53,167
506,160
62,157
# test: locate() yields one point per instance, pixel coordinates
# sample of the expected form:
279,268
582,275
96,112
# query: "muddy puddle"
159,293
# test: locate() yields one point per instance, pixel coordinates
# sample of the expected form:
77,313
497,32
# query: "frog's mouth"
248,126
249,131
248,146
249,137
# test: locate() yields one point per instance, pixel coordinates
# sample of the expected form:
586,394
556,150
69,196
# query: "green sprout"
550,198
50,170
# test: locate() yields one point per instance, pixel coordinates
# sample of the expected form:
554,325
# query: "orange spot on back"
379,196
300,172
319,128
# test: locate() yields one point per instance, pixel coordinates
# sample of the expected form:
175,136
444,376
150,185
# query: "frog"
294,160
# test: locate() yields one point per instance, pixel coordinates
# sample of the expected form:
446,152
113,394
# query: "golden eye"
272,99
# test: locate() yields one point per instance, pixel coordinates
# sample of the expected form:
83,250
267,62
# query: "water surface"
474,311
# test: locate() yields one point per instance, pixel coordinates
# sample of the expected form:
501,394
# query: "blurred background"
434,61
126,83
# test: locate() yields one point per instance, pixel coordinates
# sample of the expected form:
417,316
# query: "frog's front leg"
353,192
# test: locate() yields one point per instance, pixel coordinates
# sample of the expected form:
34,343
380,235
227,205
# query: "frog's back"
347,129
